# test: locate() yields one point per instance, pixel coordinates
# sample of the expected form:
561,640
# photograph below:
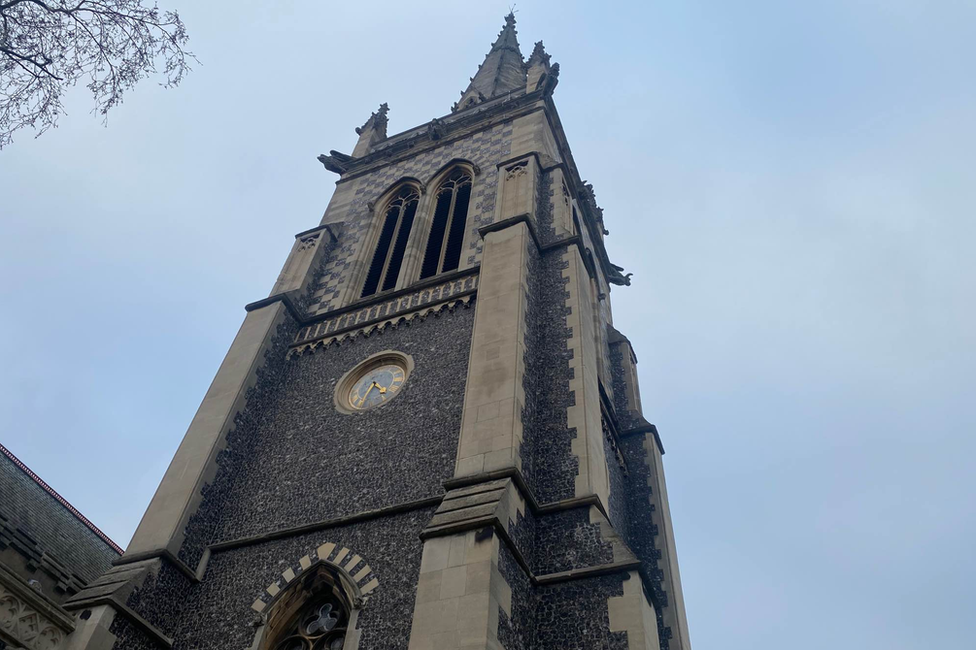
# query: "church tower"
429,436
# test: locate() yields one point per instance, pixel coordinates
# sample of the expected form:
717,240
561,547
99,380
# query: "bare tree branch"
47,46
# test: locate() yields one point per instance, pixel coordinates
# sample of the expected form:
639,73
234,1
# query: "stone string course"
370,327
387,309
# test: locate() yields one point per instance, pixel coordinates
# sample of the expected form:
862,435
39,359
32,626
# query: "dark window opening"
443,252
403,234
436,238
384,268
311,616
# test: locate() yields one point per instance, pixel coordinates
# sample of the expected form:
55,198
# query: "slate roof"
47,530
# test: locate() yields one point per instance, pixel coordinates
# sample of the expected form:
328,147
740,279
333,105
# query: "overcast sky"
792,185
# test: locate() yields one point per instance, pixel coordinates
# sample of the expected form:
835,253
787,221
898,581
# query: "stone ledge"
114,588
164,554
588,572
483,505
515,474
284,298
129,613
328,523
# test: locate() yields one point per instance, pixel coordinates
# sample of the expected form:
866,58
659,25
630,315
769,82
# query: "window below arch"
320,626
313,616
443,252
384,268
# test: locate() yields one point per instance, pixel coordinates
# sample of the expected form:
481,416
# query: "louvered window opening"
443,252
384,269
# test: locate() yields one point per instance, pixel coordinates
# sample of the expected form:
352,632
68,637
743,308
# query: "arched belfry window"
311,616
443,252
384,268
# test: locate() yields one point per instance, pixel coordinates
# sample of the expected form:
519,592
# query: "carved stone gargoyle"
618,277
549,80
435,129
336,162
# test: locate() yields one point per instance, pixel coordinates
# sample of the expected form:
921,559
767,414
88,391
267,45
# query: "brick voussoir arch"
355,572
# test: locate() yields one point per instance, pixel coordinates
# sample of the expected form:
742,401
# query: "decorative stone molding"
367,330
357,576
307,242
516,171
27,620
380,314
25,626
518,191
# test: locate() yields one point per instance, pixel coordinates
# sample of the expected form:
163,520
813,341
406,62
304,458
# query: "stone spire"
502,72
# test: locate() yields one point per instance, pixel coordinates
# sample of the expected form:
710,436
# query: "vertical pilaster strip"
584,414
633,614
491,427
520,182
459,594
562,205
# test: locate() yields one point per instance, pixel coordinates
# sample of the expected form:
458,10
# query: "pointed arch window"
384,268
443,252
312,616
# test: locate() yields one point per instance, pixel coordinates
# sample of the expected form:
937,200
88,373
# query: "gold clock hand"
371,387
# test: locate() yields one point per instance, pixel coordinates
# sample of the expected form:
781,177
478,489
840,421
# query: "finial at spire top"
501,72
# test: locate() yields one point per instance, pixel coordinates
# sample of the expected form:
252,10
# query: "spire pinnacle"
503,70
372,132
538,55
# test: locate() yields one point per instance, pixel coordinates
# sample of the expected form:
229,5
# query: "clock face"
376,386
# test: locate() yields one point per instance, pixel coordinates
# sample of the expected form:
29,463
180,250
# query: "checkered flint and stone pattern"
485,149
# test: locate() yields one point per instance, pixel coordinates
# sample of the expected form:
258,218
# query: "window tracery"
320,626
384,268
443,251
313,615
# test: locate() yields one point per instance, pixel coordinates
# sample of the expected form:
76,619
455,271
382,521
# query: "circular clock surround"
373,382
